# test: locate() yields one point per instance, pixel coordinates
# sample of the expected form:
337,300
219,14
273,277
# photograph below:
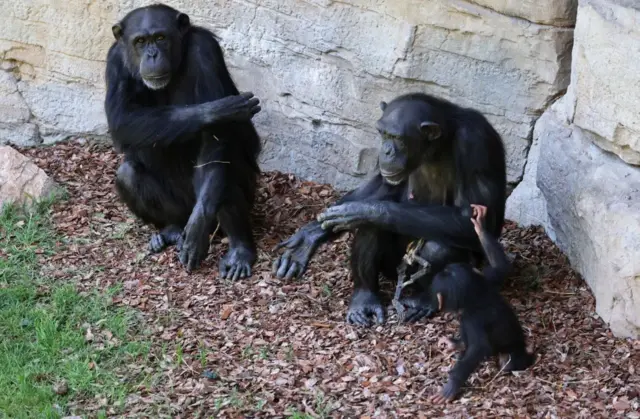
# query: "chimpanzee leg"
234,218
156,201
371,253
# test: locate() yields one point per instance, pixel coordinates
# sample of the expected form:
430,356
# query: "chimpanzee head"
152,38
455,287
412,132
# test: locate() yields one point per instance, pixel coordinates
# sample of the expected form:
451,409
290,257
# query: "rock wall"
320,67
577,182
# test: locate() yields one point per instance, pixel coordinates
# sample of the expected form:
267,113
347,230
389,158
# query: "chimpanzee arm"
303,244
449,225
134,125
478,348
499,265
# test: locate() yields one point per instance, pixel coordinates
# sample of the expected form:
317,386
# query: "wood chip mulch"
266,347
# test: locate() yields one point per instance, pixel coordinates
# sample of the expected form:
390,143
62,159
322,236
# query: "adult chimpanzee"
190,147
488,326
436,159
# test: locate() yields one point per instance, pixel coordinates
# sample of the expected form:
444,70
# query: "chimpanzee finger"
156,243
247,95
246,271
358,318
288,243
223,270
237,273
255,110
379,313
284,264
292,272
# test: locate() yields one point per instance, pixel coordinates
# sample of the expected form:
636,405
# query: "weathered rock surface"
20,179
320,67
593,199
605,88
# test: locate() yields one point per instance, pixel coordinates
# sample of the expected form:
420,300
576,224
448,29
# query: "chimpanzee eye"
139,41
160,38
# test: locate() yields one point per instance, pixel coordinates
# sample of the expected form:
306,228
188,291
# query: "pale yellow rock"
605,79
320,67
20,179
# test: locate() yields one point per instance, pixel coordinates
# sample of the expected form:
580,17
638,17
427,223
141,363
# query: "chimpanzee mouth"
393,178
157,82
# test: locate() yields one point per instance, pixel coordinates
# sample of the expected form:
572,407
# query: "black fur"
464,159
190,147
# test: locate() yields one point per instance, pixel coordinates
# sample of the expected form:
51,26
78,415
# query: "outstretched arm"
301,247
449,225
499,265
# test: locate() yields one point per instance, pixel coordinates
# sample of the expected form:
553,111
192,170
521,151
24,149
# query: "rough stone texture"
605,88
320,67
20,179
526,204
593,200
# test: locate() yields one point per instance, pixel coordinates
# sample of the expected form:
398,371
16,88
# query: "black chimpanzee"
488,326
435,160
190,147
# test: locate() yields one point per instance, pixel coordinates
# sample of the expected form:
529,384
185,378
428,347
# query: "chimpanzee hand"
300,249
193,248
448,392
241,107
364,305
236,264
417,307
350,216
479,213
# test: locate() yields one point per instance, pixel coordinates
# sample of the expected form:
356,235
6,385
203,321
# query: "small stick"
213,161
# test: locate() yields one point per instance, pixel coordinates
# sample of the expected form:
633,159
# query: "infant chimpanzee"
488,325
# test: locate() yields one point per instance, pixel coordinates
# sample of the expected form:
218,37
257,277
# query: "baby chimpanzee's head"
456,287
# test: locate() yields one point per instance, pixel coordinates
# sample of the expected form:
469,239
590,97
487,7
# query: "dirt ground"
265,347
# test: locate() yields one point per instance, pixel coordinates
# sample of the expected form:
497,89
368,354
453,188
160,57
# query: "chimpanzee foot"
364,305
237,263
417,307
164,238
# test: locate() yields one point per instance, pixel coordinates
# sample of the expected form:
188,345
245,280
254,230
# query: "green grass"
43,330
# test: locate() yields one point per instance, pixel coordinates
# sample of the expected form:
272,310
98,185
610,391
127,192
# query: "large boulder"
593,199
20,179
320,67
604,95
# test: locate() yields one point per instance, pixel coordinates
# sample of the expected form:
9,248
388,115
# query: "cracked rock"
20,179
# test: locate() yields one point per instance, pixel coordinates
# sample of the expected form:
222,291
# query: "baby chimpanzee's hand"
479,212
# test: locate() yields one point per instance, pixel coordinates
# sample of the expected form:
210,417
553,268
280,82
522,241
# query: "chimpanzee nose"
387,149
152,52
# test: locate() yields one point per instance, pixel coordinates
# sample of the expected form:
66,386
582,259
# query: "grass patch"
58,347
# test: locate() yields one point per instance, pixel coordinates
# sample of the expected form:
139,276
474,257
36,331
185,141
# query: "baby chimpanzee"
488,326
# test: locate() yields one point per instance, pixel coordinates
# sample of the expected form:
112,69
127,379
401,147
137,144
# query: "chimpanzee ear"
183,22
383,105
431,130
117,31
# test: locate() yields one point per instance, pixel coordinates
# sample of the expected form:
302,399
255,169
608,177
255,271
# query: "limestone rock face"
20,179
593,199
605,88
320,67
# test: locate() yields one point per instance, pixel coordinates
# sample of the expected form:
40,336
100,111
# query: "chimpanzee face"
408,135
153,41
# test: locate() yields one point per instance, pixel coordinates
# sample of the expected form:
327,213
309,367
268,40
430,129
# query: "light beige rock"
548,12
320,67
20,179
605,89
593,199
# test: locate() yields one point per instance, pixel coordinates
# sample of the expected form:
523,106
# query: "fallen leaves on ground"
266,347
